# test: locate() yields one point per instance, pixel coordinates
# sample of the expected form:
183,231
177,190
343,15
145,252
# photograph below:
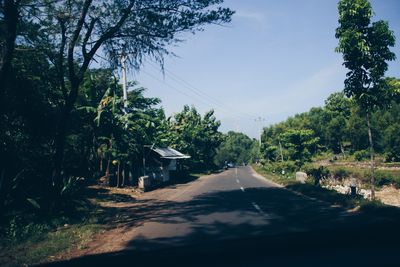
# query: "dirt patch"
123,211
389,195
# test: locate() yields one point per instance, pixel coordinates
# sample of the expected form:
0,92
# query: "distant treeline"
339,128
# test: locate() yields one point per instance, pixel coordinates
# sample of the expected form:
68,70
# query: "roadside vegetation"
67,126
65,122
302,143
309,189
236,148
361,122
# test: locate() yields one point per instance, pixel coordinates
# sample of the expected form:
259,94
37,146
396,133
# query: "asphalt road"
237,218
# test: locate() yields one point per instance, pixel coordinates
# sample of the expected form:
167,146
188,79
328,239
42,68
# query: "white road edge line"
241,188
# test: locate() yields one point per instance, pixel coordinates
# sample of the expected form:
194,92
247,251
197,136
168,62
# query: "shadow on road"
289,230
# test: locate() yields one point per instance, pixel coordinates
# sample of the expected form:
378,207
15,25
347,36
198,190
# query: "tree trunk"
59,147
108,167
342,150
61,133
10,22
118,176
109,157
123,175
372,154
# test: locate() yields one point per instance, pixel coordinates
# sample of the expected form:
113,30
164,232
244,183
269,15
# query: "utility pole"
260,120
124,83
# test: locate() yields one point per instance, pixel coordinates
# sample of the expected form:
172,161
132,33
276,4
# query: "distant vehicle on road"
228,165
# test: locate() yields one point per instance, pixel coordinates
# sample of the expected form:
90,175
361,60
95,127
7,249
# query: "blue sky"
275,59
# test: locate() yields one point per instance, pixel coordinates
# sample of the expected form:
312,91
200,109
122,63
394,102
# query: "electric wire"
202,94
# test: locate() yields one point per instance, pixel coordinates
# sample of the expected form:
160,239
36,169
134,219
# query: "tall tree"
9,14
337,106
195,135
299,143
365,49
74,32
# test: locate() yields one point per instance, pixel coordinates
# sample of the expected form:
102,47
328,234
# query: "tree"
365,49
195,135
299,143
9,10
27,125
337,107
122,129
236,148
74,33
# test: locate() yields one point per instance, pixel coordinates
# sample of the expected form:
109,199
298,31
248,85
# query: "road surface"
238,218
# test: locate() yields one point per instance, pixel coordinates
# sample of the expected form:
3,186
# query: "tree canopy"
61,110
236,148
366,49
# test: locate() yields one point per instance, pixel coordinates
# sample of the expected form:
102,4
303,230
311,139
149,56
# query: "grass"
392,164
29,237
44,246
330,196
382,177
283,180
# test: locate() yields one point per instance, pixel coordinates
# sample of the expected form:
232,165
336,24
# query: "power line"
182,92
202,94
203,97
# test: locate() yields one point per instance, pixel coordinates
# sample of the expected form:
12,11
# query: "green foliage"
317,173
62,119
324,194
272,174
285,169
340,173
365,49
237,148
385,177
195,135
299,144
361,155
340,127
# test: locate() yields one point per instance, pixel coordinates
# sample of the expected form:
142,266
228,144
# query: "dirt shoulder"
123,211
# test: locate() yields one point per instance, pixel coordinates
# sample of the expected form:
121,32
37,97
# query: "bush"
383,177
317,173
361,155
19,229
278,167
340,173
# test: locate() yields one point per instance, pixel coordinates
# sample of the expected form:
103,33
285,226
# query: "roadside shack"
160,164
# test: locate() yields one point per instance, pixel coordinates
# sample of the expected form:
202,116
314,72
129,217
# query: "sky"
275,59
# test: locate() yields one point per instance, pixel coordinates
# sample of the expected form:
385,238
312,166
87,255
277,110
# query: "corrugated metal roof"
169,153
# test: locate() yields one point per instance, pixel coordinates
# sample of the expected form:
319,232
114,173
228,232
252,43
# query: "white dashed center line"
241,188
237,180
256,207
